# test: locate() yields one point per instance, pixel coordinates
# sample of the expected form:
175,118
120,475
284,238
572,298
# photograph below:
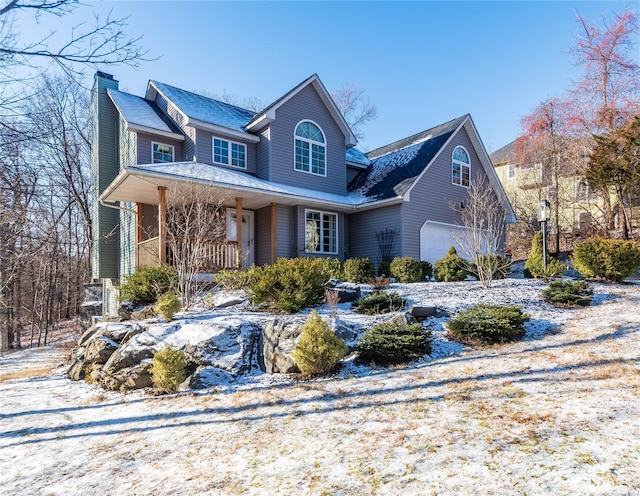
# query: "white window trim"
311,142
229,142
321,212
461,164
511,172
173,152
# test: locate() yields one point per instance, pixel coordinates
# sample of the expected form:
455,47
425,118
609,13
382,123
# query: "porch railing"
214,254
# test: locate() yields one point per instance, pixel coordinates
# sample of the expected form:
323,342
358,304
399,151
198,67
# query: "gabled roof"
142,115
268,114
395,167
357,158
201,111
506,154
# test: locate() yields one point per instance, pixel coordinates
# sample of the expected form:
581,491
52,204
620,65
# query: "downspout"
117,207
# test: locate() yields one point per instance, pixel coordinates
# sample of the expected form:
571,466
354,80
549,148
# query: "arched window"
461,167
310,149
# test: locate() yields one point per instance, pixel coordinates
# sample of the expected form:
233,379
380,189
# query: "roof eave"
132,126
208,126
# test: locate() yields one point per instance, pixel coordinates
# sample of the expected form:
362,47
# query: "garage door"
437,238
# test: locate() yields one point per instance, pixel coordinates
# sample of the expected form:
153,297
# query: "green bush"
378,302
233,278
384,268
407,269
451,268
391,343
167,306
568,293
500,266
488,324
358,270
609,259
332,268
289,284
168,369
147,284
535,262
318,349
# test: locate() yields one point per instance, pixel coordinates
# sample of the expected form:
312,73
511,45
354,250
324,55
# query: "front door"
247,234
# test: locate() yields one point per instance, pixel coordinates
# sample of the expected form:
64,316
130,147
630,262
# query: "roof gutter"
117,207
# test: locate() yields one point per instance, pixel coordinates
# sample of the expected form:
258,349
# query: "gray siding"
189,145
145,147
352,172
128,240
307,105
104,168
263,155
433,194
262,236
362,238
286,228
128,146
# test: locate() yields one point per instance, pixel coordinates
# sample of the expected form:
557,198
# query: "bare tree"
482,219
355,107
195,233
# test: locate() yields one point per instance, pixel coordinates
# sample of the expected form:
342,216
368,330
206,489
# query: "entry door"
247,234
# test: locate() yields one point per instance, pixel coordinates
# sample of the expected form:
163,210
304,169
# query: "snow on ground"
557,413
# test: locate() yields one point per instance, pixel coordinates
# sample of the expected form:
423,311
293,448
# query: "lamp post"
544,213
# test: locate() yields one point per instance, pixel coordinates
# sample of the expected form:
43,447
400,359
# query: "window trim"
321,243
230,144
511,172
310,143
461,164
173,152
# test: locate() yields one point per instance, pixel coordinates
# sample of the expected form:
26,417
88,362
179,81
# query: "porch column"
162,224
138,232
239,232
274,237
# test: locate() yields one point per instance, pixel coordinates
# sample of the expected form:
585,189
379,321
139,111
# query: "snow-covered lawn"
557,414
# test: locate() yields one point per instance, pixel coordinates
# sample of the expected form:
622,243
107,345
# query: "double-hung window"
461,167
321,232
229,153
162,153
310,149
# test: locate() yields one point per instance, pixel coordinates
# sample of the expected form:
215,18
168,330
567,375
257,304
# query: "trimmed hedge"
358,270
408,269
488,324
452,267
391,343
609,259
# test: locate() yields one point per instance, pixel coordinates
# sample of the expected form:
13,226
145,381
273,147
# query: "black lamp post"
544,213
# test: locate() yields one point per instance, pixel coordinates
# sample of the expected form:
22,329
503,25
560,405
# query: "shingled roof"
395,167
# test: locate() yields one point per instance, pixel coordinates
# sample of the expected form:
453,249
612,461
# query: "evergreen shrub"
358,270
167,306
451,268
378,302
146,285
233,278
384,268
392,343
488,324
168,369
318,349
535,263
609,259
408,269
289,284
568,293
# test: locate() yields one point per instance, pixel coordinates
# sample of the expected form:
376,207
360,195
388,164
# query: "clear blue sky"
421,63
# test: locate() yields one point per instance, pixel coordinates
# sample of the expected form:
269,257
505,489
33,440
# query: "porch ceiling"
139,184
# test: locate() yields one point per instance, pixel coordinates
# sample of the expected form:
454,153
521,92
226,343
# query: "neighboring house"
290,175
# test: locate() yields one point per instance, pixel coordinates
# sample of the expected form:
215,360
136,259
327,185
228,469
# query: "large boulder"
206,377
144,313
99,349
131,353
343,292
229,345
402,319
277,342
78,370
224,299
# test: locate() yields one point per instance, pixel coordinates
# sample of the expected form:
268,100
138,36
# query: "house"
290,175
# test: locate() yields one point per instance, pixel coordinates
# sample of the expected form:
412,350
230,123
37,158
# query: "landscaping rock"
77,370
99,349
421,313
402,319
125,309
276,344
136,377
130,354
225,299
88,334
146,313
345,292
206,377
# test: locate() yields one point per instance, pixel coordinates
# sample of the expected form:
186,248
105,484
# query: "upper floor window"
511,171
229,153
162,153
310,149
320,232
461,167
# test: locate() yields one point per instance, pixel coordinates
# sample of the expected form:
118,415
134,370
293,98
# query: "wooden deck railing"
215,254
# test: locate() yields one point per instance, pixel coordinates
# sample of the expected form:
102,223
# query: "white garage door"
437,238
